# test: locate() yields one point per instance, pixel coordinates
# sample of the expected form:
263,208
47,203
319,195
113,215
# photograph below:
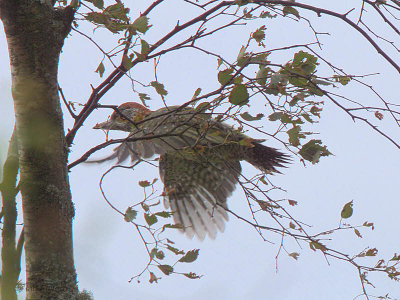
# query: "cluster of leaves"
158,247
390,267
295,82
115,18
293,91
319,242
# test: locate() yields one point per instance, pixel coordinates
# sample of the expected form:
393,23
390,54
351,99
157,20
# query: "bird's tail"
265,158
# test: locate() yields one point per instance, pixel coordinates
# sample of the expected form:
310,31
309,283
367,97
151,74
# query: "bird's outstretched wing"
196,191
133,150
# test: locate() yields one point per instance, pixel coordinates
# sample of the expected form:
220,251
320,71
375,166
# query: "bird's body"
199,160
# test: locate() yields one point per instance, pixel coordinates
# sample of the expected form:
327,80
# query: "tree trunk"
9,255
35,32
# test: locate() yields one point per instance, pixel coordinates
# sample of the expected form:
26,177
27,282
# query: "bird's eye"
113,116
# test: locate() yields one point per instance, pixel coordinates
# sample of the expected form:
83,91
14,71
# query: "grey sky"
238,264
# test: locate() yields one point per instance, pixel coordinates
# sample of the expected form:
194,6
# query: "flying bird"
199,160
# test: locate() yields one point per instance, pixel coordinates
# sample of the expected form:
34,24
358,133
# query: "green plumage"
199,160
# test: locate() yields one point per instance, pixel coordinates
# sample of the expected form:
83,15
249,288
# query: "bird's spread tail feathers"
265,158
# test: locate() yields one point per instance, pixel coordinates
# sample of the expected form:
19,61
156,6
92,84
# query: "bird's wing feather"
133,150
196,191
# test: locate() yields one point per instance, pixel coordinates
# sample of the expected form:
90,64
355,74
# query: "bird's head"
123,116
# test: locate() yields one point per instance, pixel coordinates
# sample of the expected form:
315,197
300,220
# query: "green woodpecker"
199,160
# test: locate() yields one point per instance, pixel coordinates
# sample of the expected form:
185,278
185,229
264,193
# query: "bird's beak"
104,125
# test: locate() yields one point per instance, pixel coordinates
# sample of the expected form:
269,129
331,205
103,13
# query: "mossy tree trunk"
10,252
35,32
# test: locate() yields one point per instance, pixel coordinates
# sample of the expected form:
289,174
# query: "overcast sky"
238,264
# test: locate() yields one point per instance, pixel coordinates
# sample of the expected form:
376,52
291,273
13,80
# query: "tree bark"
10,267
35,32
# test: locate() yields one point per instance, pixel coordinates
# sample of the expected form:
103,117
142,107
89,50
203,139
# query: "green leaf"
153,278
315,110
286,119
97,3
115,26
347,210
220,62
313,90
145,207
296,98
145,48
150,219
160,255
164,214
267,14
259,35
202,107
369,224
307,64
242,57
130,214
196,93
153,252
317,245
225,76
371,252
166,269
275,116
277,78
343,80
157,253
295,135
141,24
262,179
313,150
309,68
239,95
97,18
298,81
144,183
238,79
260,59
302,57
118,11
395,257
190,256
143,97
159,87
175,250
175,226
191,275
307,118
100,69
247,117
261,76
127,62
289,10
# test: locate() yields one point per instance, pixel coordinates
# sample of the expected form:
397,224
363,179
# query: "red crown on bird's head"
134,106
119,118
131,110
